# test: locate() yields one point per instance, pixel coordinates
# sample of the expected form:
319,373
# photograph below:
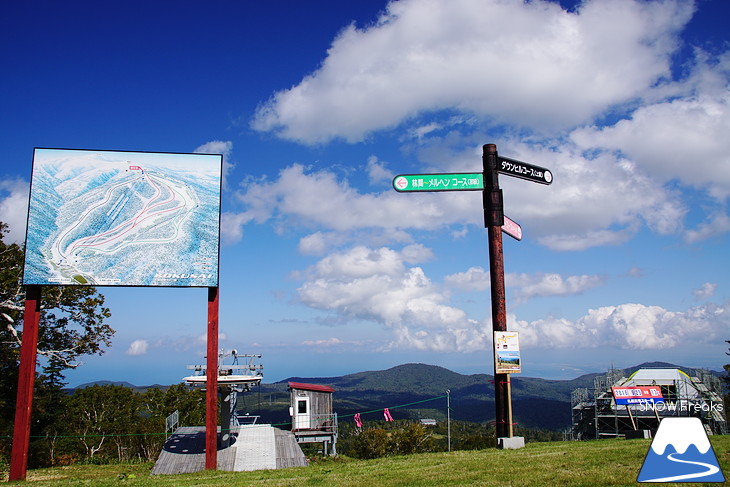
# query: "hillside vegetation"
536,403
598,462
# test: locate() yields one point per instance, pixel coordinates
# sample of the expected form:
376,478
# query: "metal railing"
322,422
171,423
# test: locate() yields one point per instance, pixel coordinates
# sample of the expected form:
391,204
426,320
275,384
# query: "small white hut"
312,418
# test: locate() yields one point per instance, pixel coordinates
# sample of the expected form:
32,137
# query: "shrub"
377,442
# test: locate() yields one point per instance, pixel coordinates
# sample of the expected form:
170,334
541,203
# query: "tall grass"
592,463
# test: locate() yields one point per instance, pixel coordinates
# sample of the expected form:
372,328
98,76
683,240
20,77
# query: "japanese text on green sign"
439,182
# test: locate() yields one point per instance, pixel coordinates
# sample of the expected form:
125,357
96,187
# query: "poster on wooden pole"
507,352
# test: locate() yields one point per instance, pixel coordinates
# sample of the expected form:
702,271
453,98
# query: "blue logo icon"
680,452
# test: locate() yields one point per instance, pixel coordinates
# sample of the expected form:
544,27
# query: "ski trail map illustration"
108,218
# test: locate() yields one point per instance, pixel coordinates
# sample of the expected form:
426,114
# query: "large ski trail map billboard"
112,218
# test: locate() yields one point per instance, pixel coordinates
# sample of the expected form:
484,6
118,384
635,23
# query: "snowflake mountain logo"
680,452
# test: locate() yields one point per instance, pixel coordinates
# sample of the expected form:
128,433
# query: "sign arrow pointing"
523,170
512,228
405,183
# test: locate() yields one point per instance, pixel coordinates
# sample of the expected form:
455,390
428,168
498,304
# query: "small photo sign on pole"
507,352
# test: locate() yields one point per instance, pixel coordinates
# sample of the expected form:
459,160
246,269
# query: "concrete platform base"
511,443
251,447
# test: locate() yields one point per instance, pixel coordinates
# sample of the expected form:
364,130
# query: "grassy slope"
593,463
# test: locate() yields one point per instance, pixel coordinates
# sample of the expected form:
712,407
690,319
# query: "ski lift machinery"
233,378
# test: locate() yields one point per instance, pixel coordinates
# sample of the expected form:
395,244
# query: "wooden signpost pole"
211,394
493,220
496,223
26,380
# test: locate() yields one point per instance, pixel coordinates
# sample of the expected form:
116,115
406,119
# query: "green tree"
189,402
370,443
104,418
397,439
413,438
72,324
157,405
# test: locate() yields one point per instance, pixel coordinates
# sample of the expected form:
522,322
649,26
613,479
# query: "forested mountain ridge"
537,403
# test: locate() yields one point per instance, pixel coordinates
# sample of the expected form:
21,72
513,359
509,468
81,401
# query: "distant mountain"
139,389
425,379
536,403
107,383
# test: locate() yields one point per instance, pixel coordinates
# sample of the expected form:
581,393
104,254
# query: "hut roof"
310,387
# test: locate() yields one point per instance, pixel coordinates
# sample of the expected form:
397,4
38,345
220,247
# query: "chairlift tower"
233,378
238,446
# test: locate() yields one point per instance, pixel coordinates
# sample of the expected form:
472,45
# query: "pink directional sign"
512,228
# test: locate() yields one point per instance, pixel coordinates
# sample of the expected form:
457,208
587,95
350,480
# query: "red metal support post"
493,220
211,394
26,381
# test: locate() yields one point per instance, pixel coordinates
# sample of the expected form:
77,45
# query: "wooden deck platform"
252,447
328,438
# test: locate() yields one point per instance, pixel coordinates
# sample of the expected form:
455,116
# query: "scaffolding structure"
596,415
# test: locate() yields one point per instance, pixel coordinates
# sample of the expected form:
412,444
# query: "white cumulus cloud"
526,286
375,284
138,347
683,139
538,66
320,198
222,147
529,286
579,210
707,290
14,208
628,326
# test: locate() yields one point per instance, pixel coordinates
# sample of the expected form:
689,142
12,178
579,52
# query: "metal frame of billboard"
123,218
118,211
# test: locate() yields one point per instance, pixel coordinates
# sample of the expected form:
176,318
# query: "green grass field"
592,463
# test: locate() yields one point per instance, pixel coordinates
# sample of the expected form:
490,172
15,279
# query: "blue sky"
325,269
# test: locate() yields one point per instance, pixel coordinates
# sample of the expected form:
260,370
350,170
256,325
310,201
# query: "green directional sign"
439,182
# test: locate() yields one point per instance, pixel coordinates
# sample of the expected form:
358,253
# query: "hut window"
302,407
